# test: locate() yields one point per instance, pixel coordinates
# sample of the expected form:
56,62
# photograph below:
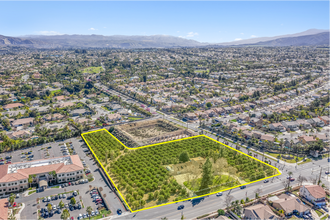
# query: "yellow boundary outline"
278,172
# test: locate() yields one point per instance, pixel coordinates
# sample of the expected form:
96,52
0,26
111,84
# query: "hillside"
309,40
116,41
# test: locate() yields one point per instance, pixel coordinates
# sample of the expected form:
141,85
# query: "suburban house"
190,116
325,119
259,211
211,113
78,112
65,104
321,137
256,122
35,103
290,205
267,138
19,134
53,117
243,119
316,122
114,117
22,122
291,125
313,193
12,105
304,124
277,127
306,139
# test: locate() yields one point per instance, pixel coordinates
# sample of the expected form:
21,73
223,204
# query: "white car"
92,214
219,194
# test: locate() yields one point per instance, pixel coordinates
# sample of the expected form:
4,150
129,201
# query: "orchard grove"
140,173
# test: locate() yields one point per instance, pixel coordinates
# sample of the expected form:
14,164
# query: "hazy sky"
202,21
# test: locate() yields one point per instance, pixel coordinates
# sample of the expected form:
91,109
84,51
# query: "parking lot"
30,211
49,150
77,211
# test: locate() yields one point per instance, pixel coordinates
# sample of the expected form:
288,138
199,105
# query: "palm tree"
30,180
12,199
89,211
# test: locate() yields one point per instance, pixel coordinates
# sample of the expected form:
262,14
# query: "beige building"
14,177
259,211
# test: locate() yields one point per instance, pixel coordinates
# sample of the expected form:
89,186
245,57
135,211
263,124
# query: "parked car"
266,181
243,187
56,197
74,193
119,211
85,216
63,196
180,207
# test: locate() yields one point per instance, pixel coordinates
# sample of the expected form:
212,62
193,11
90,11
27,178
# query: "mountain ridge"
309,37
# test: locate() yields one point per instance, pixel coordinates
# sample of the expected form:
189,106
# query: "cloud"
189,35
92,29
242,33
49,33
192,34
253,36
238,39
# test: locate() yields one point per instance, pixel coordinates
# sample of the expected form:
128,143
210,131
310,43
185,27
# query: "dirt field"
153,131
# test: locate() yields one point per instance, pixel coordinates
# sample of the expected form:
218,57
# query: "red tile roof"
3,209
22,174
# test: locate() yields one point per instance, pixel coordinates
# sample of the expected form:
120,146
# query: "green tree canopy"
207,176
184,157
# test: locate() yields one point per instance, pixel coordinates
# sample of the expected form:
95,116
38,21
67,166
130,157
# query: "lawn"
324,217
133,119
318,212
33,191
92,69
102,212
155,174
288,161
54,91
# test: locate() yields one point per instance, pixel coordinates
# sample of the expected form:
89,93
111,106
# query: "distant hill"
308,40
309,37
15,41
262,39
116,41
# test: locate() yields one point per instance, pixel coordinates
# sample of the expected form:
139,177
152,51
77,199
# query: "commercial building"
15,177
